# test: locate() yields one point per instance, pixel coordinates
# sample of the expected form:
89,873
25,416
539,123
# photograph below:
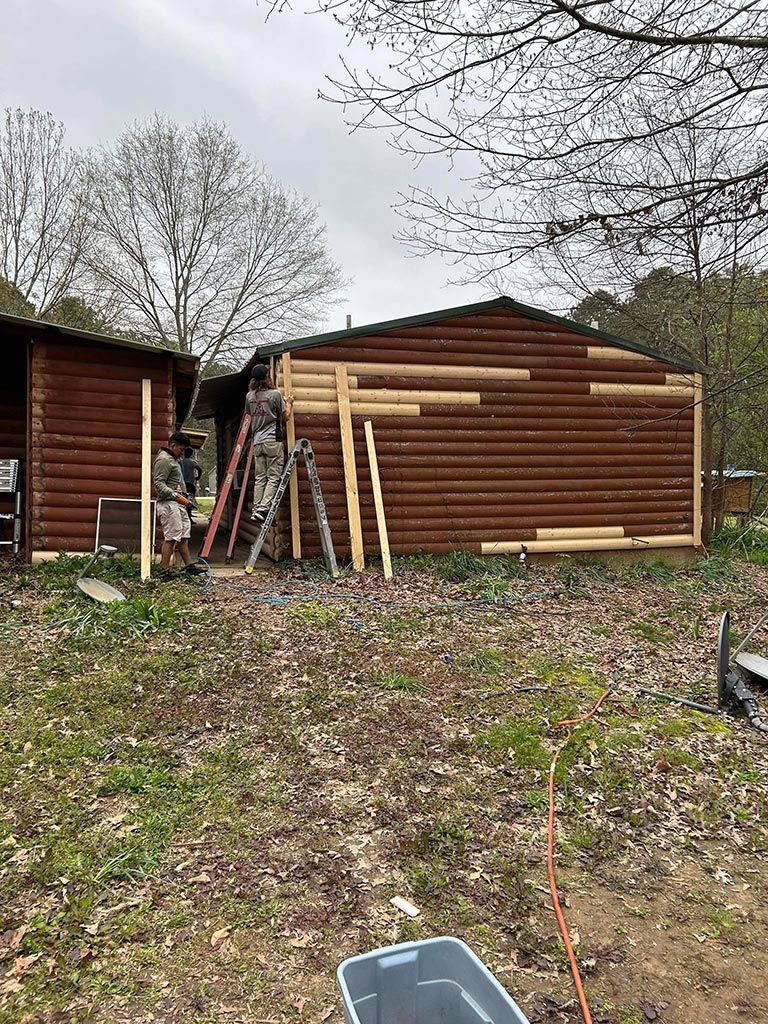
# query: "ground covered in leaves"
208,798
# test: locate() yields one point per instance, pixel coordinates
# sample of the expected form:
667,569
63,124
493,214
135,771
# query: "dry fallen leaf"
22,964
12,939
219,936
133,901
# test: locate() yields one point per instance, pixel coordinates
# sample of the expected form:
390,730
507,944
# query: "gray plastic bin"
435,981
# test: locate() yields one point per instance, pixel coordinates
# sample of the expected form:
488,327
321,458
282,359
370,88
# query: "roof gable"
502,302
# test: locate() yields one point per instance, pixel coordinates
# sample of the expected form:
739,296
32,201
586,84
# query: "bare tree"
696,265
208,253
600,138
529,95
41,222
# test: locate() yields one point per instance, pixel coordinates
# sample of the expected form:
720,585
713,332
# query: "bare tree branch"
208,253
41,217
531,96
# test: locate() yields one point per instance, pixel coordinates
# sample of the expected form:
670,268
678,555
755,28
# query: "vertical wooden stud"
146,478
378,502
350,469
293,486
698,398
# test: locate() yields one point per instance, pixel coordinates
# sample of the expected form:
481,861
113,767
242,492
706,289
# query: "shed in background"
736,491
70,409
497,425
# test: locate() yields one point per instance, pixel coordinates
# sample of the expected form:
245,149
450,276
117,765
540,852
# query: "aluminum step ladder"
10,483
301,448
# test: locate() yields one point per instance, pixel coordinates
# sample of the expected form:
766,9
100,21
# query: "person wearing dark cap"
269,411
172,506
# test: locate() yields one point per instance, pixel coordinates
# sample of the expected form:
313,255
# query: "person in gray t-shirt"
269,411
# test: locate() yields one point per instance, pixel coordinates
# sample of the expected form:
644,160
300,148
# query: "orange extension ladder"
226,487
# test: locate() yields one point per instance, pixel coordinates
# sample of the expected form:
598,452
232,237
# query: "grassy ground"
205,505
209,798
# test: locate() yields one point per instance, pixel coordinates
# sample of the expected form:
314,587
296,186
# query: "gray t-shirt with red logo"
267,408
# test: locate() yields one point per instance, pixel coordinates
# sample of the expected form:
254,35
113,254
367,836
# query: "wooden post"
698,397
146,478
293,486
381,521
350,469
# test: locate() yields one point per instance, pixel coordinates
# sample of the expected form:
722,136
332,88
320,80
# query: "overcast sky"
98,64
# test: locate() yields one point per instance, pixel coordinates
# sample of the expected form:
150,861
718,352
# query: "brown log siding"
537,453
86,434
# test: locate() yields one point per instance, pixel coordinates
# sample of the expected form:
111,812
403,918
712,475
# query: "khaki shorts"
174,521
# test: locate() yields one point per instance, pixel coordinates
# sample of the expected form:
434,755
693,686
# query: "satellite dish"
723,654
99,591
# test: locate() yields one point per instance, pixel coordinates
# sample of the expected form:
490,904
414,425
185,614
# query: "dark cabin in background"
497,425
70,410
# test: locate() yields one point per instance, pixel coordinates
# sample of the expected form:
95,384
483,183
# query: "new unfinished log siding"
497,426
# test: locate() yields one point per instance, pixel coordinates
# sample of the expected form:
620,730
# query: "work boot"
193,569
166,574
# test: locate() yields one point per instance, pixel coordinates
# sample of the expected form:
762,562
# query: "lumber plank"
318,366
318,380
609,352
578,532
378,502
146,478
293,486
644,390
671,540
350,469
303,406
392,396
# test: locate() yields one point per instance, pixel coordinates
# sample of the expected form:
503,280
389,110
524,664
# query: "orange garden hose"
565,724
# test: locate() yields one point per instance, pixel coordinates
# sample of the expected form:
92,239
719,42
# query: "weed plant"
748,543
396,681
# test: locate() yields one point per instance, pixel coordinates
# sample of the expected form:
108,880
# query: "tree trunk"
706,468
719,487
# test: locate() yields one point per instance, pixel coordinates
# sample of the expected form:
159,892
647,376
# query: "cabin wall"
86,434
13,423
497,430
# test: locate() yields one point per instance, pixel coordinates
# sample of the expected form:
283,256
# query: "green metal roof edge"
105,339
278,347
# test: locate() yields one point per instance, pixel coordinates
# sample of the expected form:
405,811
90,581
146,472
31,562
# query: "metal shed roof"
476,307
53,330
